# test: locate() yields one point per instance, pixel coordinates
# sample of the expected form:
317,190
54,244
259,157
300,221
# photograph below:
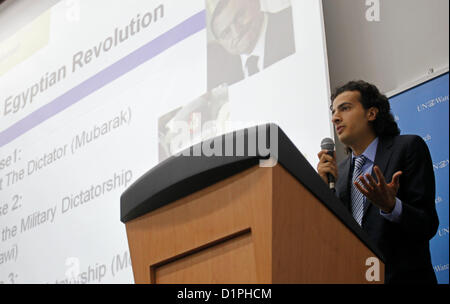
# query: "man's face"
238,25
350,119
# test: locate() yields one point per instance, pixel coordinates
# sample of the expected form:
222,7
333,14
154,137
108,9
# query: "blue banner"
423,110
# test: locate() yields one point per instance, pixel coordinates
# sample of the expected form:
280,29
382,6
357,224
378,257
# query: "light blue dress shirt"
370,154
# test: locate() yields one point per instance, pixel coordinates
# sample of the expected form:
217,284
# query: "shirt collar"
370,151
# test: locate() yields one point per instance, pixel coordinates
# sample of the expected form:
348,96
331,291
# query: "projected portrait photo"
203,118
246,37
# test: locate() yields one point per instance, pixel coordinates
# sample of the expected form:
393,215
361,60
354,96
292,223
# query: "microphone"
328,144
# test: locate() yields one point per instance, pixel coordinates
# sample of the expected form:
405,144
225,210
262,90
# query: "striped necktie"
356,196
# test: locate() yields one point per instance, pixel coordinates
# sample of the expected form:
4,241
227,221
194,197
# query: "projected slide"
93,94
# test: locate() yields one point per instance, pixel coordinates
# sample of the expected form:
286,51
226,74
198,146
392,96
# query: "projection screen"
92,92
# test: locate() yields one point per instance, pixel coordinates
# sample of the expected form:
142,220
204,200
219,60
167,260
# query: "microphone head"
327,144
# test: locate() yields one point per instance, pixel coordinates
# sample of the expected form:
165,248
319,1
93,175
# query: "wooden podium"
226,219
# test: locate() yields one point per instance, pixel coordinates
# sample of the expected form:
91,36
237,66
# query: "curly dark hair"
384,125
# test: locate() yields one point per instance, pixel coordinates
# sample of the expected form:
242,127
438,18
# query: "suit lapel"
343,183
382,158
383,154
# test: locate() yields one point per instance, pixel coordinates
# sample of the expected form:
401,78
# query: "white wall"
411,37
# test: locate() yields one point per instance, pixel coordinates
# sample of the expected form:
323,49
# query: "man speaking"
387,181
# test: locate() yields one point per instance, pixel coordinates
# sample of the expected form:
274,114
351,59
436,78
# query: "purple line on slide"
180,32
